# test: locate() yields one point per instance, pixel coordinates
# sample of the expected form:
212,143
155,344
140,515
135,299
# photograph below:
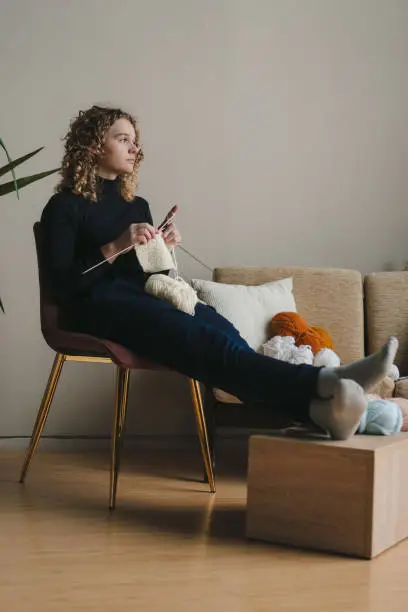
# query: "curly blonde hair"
84,143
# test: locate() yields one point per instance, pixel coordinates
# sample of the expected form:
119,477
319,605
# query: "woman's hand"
171,235
136,233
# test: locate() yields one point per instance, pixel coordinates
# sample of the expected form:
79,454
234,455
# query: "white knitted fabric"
175,290
154,256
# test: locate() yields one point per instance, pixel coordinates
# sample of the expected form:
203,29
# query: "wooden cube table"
347,497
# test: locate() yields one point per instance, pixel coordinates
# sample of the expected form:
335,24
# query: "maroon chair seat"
72,346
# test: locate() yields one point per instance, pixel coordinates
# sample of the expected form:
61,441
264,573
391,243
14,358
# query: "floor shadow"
173,506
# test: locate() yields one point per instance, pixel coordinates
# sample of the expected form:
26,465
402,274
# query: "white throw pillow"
249,308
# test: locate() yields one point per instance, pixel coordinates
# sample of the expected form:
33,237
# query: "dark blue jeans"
206,346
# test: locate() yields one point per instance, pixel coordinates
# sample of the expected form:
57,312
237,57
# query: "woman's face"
119,150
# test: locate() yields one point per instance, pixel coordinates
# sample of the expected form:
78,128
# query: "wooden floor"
169,545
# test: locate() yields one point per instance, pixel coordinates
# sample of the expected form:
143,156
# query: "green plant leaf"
12,169
16,162
23,182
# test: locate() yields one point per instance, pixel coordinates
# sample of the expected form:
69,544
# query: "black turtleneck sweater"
74,229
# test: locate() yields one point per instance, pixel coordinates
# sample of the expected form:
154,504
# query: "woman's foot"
366,372
340,416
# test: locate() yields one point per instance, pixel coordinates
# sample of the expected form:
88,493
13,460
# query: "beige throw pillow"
249,308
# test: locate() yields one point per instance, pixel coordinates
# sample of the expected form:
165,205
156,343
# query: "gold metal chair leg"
122,389
202,431
43,411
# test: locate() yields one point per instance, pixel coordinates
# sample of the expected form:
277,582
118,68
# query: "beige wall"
278,126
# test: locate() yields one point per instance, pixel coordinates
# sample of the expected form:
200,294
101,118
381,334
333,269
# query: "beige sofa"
329,297
386,311
359,313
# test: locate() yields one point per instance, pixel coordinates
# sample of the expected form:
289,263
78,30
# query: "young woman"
95,214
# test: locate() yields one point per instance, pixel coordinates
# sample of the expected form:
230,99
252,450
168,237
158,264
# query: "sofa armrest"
386,303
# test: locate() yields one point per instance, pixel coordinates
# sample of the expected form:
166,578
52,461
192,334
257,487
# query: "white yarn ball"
393,372
326,357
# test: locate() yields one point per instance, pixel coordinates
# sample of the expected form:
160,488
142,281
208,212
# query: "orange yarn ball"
327,342
312,338
316,337
287,324
293,324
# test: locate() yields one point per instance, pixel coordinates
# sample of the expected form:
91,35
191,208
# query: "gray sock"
340,416
366,372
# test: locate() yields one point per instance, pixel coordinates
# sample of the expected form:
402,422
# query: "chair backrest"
59,339
49,311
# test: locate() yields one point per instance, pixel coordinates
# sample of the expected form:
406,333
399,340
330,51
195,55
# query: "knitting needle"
107,259
169,218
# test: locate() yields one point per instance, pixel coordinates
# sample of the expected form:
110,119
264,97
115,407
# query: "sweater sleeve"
64,268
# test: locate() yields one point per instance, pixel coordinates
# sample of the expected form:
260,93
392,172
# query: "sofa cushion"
387,313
